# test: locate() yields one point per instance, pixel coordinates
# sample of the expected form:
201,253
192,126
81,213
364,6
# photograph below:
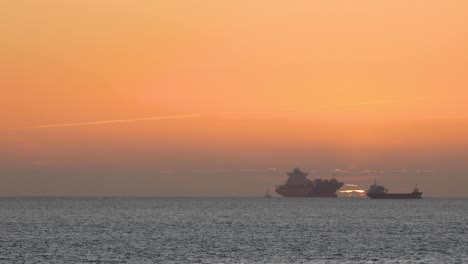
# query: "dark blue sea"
233,230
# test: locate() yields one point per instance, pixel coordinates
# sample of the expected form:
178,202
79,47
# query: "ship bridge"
297,177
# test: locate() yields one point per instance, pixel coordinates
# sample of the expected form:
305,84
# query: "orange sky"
241,86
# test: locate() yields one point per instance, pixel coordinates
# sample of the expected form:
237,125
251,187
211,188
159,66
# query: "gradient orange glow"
202,97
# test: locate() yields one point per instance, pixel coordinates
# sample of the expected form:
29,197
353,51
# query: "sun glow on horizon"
353,191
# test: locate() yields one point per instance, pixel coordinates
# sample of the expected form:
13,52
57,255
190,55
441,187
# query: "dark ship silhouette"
298,185
379,192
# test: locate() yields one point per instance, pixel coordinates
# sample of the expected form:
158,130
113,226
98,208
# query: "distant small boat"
379,192
267,195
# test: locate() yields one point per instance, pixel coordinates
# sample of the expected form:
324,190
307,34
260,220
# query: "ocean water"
233,230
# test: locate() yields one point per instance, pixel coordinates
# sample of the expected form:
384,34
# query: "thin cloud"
155,118
359,178
248,170
424,171
167,171
368,171
273,169
262,170
339,170
214,170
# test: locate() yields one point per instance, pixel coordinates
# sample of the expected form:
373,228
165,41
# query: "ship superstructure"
298,185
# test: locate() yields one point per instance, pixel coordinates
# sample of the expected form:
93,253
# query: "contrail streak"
219,114
358,104
117,121
371,103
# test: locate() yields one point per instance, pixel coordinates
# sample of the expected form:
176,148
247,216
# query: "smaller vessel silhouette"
379,192
267,195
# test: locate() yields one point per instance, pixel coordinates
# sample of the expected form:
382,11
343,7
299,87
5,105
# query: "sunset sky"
221,98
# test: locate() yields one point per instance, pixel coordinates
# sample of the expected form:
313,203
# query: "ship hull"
312,195
395,195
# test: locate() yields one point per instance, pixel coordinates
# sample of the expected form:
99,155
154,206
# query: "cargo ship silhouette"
379,192
297,185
